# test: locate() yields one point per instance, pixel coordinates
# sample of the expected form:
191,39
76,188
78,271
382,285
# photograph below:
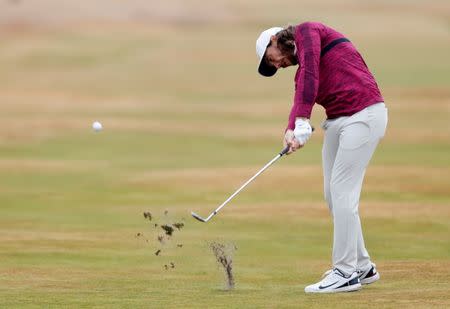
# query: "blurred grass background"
187,120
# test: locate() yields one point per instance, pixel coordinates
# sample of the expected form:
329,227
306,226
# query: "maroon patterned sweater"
332,73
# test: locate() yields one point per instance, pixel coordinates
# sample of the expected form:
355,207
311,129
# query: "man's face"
276,58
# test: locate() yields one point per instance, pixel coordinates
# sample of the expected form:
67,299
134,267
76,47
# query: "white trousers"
349,144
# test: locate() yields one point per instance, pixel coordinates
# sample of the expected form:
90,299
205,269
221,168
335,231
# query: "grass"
187,120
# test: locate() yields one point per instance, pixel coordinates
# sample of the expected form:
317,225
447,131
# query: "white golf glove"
302,131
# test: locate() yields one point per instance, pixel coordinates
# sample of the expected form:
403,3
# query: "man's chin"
287,65
293,60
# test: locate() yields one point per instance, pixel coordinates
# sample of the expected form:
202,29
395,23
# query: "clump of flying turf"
172,265
141,235
163,238
224,257
148,215
168,229
178,225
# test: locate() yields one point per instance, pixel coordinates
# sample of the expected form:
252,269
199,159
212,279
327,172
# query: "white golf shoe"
370,275
367,276
335,282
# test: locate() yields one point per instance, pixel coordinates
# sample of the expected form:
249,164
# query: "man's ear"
273,39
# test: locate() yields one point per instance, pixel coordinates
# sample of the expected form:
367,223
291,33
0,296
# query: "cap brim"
265,69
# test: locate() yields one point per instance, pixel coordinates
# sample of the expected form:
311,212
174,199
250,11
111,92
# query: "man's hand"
303,130
298,137
289,139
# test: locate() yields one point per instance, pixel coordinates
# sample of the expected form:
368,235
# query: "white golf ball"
97,126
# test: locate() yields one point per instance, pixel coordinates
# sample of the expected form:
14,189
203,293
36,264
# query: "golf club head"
197,217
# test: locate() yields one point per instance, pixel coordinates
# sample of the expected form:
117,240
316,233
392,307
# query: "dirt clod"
168,229
148,215
141,235
178,225
169,226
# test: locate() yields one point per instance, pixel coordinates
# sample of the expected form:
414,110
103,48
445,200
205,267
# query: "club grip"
286,149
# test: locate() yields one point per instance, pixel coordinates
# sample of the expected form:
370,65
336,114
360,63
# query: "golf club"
282,153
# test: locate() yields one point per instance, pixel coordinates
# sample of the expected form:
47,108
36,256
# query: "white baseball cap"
261,45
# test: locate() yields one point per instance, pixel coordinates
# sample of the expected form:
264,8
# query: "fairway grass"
186,122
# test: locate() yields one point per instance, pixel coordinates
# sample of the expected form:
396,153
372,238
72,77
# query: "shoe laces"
332,277
329,271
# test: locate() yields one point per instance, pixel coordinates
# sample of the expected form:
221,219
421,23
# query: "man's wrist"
302,118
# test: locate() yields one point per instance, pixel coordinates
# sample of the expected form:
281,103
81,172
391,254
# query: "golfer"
333,74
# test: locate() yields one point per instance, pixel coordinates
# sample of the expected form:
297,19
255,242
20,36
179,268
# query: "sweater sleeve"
307,76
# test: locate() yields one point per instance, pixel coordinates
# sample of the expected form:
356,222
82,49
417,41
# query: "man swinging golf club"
333,74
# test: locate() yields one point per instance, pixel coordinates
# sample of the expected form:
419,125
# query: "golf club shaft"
283,152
